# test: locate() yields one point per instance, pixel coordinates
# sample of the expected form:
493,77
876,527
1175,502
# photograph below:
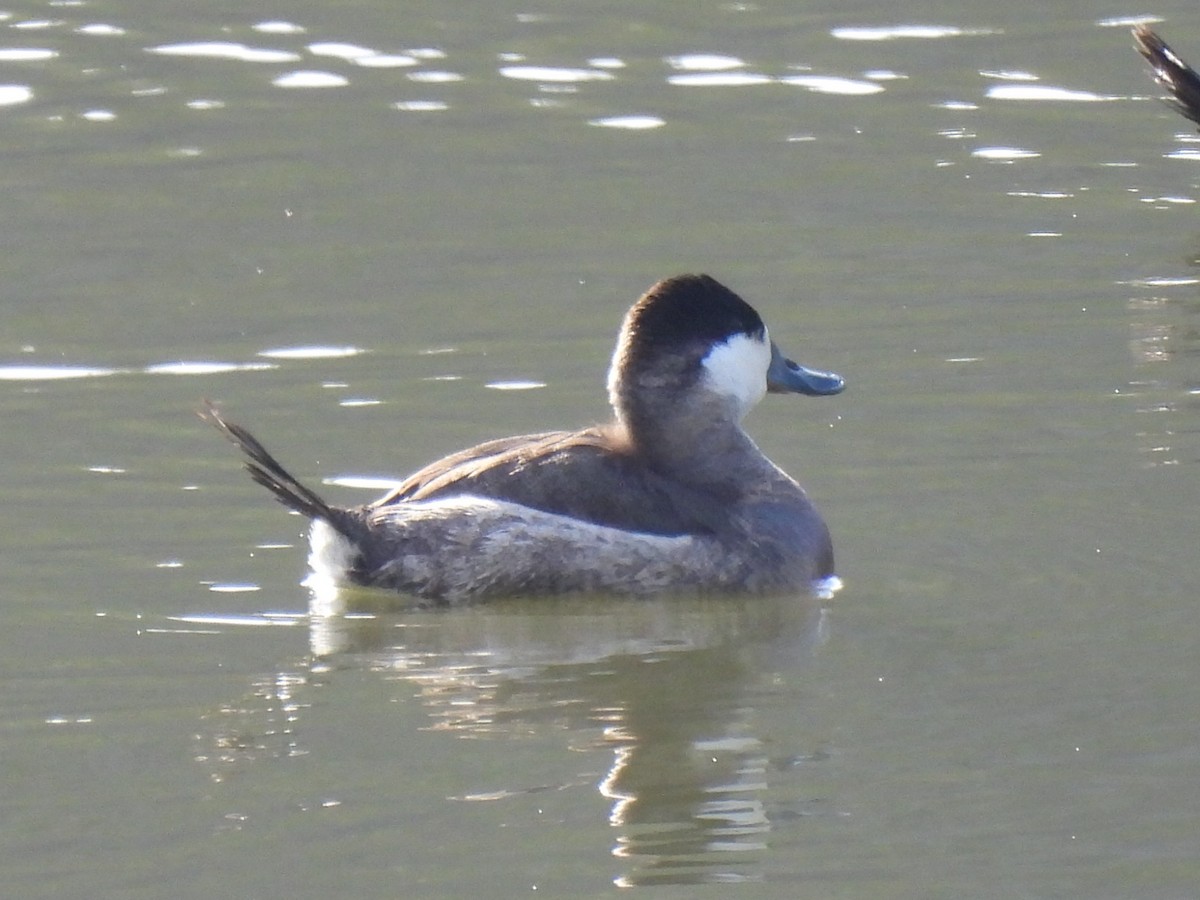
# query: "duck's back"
590,475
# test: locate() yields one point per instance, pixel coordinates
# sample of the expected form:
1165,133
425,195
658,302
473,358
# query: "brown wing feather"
588,475
494,456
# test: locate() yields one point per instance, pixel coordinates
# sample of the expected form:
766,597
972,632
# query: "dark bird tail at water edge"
267,471
1179,79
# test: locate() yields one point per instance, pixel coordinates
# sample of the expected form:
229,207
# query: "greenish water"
1000,703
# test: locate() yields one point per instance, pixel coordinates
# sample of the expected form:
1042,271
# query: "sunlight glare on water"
225,50
901,32
825,84
1043,92
986,222
15,93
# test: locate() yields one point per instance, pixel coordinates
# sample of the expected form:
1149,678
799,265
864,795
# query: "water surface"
377,237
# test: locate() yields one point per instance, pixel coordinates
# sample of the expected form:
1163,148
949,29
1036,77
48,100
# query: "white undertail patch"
331,554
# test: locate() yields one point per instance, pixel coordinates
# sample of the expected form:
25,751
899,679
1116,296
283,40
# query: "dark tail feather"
267,471
1172,73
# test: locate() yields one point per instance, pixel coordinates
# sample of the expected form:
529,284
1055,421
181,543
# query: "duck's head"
690,339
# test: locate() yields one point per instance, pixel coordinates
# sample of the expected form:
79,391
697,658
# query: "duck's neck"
704,449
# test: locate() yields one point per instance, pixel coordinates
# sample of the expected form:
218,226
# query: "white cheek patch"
737,368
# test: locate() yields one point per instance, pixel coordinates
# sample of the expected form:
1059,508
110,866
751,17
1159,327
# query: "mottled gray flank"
470,547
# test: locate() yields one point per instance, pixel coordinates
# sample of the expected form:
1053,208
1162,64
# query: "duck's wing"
1180,80
481,463
588,475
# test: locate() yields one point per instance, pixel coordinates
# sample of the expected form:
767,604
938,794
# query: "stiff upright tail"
1172,73
267,471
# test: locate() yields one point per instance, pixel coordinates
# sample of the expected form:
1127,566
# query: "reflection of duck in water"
1178,78
670,708
670,495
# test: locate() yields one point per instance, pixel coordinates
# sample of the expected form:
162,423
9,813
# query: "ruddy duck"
671,495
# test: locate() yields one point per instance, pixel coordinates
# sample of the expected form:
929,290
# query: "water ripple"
340,50
26,54
53,373
99,28
311,352
225,50
896,32
421,105
719,79
310,78
434,76
184,367
11,94
704,62
553,74
279,27
1009,75
631,123
515,385
1043,92
1004,154
830,84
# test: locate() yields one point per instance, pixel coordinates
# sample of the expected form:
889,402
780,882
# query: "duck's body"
671,495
